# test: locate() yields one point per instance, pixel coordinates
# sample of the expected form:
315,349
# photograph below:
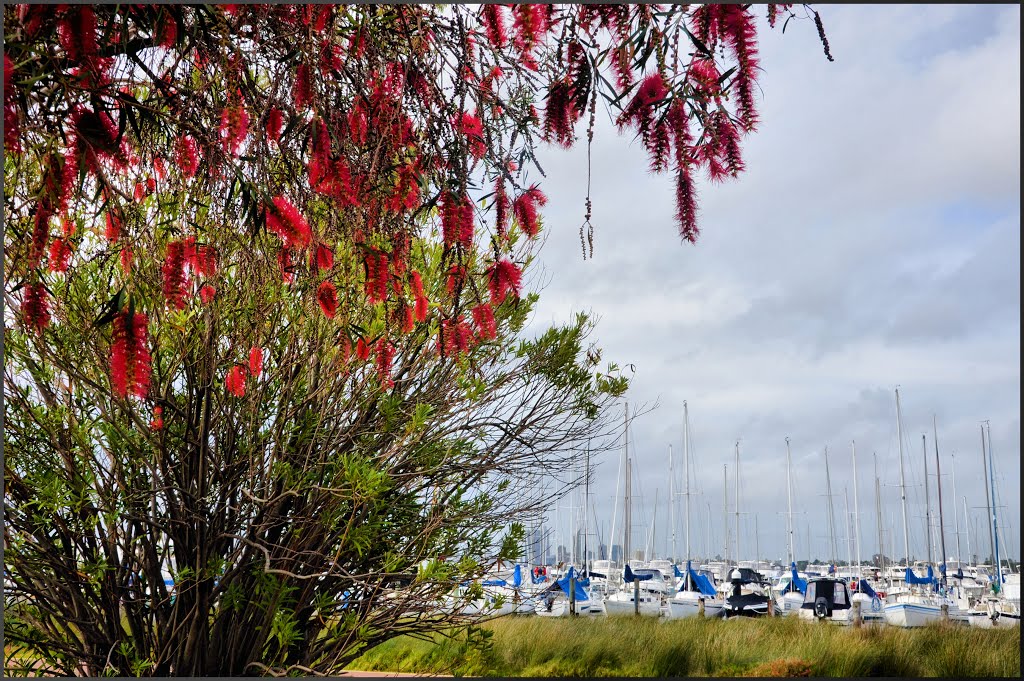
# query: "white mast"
938,484
831,512
725,508
846,516
686,472
856,509
903,484
672,502
789,495
737,502
627,498
967,530
956,518
927,502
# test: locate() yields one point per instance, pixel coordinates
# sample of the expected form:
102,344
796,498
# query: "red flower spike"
119,356
174,275
35,308
471,127
381,291
207,293
76,31
327,296
362,349
324,257
187,155
505,278
524,209
407,318
422,308
130,362
285,220
60,254
40,235
234,127
275,121
67,227
417,282
235,381
385,356
126,259
302,90
113,229
256,361
483,318
141,362
494,24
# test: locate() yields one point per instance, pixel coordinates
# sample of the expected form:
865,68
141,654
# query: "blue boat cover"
517,576
914,579
629,577
797,583
701,581
676,572
563,584
866,589
495,582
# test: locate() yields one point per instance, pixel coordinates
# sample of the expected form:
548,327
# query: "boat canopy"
795,582
866,589
643,575
702,582
914,579
563,585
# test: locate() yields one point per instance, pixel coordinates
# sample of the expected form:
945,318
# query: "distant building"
602,552
616,553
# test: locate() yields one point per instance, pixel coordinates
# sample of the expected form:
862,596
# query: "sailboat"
791,593
918,605
747,588
695,588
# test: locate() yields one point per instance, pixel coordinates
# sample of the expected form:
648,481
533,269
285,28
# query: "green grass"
534,646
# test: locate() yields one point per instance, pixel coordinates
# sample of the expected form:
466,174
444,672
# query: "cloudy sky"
873,242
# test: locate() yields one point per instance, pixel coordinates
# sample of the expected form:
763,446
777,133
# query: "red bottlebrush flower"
327,296
159,169
206,260
174,275
187,155
385,356
640,110
60,254
362,349
324,257
168,30
126,259
284,261
323,17
67,227
40,235
471,127
483,318
12,131
501,206
382,278
76,31
35,308
462,336
207,293
140,191
457,220
407,318
494,25
68,178
234,127
113,230
256,361
422,308
235,381
703,74
275,121
158,421
686,204
737,26
529,24
560,113
524,208
8,76
358,122
504,278
129,355
302,90
285,220
417,282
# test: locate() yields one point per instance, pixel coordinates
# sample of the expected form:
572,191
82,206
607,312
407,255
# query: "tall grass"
534,646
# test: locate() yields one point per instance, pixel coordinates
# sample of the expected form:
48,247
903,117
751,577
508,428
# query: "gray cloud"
873,242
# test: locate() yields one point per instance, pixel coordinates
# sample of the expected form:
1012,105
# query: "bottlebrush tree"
264,285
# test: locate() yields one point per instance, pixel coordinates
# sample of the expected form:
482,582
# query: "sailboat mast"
903,483
626,498
938,483
686,472
988,501
737,502
586,519
856,510
995,526
967,530
956,518
878,516
725,509
831,512
846,518
672,503
789,500
927,502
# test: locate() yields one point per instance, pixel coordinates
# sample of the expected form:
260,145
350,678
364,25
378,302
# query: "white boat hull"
911,614
614,606
683,605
